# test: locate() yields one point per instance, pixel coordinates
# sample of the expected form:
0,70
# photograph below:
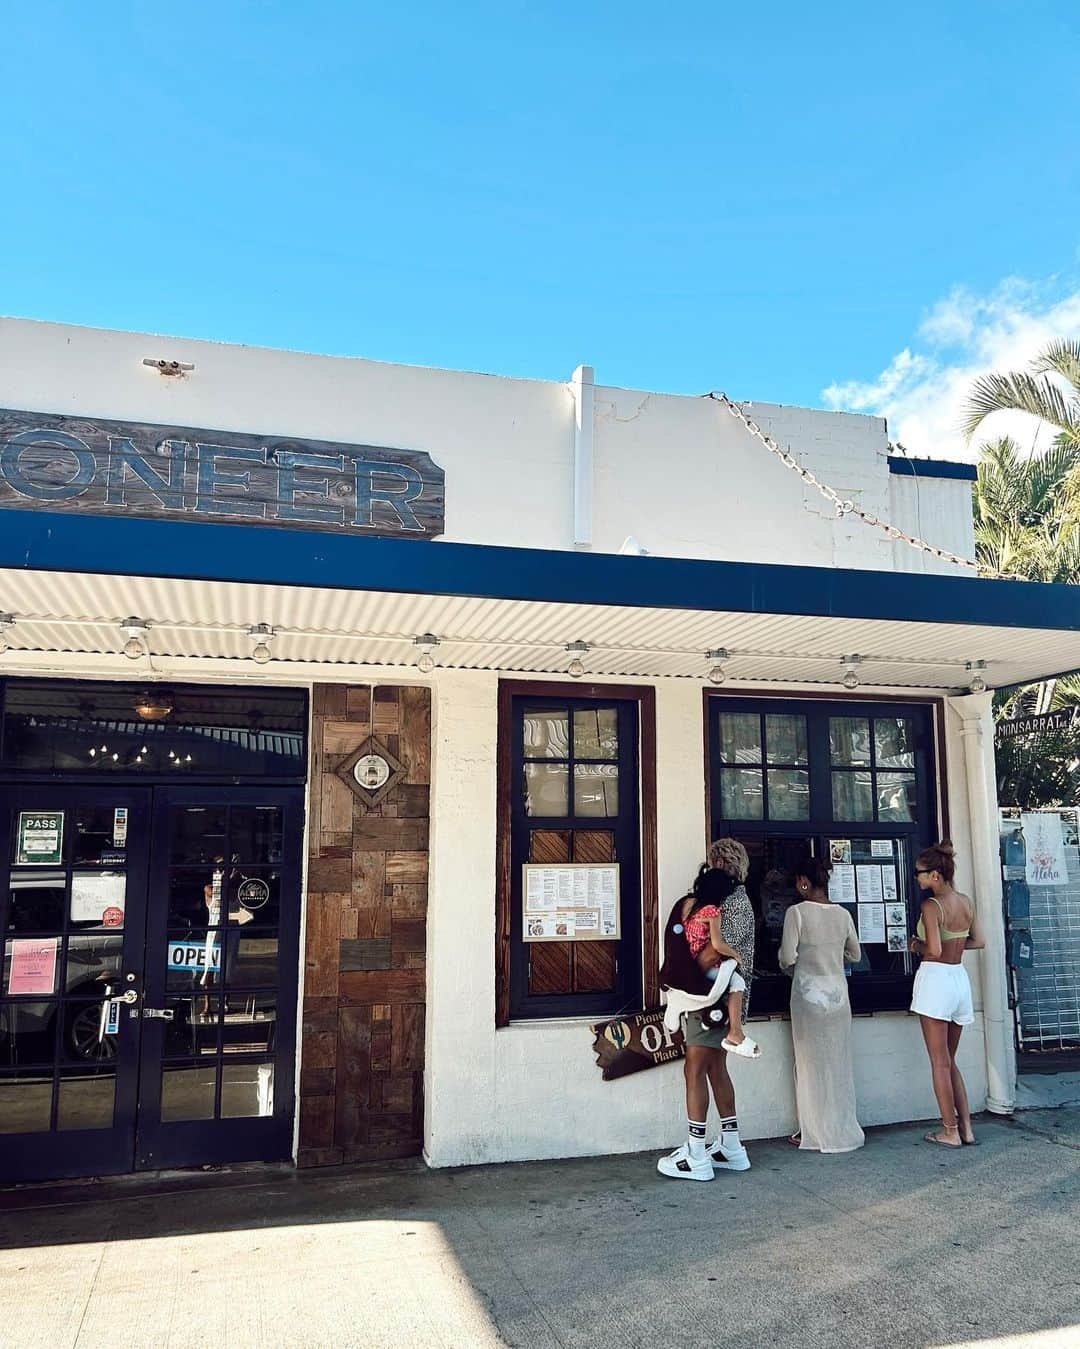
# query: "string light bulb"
576,650
975,668
261,634
6,621
427,642
136,631
718,655
851,666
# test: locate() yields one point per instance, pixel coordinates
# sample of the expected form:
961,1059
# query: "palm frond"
1063,358
1016,392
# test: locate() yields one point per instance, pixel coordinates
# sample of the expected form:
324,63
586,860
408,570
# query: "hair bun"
946,846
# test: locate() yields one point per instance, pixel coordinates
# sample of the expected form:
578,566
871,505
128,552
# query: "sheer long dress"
817,939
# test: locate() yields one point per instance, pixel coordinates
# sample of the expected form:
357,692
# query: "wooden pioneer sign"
635,1041
181,473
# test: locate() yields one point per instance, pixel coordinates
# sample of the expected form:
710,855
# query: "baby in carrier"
700,979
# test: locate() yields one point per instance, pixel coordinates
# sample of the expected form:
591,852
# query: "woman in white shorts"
948,926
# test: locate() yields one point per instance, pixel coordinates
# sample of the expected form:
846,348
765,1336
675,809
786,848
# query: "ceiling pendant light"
427,642
576,650
718,655
851,666
153,705
261,635
136,630
975,669
6,621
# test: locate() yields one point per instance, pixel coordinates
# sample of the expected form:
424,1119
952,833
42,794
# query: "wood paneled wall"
362,1058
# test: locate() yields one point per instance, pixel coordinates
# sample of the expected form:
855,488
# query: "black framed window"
74,727
574,807
853,780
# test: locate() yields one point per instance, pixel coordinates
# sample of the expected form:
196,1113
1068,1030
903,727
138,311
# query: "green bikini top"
946,935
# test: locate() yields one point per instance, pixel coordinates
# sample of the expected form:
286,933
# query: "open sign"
189,955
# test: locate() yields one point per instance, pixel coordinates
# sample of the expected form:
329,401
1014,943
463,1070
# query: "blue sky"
775,200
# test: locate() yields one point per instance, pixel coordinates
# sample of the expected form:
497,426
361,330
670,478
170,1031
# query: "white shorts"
943,992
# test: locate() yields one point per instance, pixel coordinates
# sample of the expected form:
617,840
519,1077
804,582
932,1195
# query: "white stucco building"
347,721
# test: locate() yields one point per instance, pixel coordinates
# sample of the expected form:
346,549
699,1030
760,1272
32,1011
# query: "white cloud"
923,389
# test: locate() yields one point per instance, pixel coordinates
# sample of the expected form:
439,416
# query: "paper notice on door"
33,965
842,884
870,891
881,847
898,939
871,923
92,893
896,915
888,883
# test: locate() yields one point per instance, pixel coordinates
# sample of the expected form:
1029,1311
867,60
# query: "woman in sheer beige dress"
819,937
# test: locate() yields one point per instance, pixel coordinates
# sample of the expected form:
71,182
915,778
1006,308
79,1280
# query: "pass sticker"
41,838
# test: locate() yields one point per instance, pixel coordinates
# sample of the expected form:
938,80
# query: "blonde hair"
728,854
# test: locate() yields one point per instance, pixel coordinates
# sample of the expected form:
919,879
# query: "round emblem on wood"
371,772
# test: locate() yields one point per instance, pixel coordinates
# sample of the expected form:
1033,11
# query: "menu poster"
888,883
33,965
870,888
842,884
871,923
881,847
570,902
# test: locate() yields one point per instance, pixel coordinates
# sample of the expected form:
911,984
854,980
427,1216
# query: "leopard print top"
737,929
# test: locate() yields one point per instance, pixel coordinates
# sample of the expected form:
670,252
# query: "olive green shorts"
694,1033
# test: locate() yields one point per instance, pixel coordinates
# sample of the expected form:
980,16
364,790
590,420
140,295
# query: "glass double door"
148,997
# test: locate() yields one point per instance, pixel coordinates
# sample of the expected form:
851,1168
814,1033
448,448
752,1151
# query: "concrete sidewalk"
898,1245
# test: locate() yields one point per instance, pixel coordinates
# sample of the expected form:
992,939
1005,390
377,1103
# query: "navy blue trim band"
932,468
256,554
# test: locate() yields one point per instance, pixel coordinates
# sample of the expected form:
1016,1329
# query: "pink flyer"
33,965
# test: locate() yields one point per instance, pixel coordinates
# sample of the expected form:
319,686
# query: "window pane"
86,1100
255,834
546,787
596,789
546,733
789,794
596,733
894,742
247,1089
851,796
740,793
785,739
740,738
93,960
25,1103
896,797
187,1093
38,898
849,741
197,833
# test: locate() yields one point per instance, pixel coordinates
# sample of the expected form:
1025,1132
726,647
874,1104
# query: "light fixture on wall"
851,671
975,669
576,650
6,621
136,630
171,368
261,635
718,655
426,642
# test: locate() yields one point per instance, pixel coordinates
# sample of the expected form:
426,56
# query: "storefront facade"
384,718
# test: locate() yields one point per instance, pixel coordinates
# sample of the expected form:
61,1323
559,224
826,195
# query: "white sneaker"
729,1159
679,1165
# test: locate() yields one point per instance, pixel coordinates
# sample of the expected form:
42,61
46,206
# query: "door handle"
128,995
158,1013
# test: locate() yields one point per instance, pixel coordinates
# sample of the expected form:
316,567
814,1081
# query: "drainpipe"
977,733
581,389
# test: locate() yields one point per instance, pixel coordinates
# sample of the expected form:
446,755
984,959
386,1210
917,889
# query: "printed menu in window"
570,902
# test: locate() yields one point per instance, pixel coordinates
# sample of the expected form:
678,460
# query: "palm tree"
1027,523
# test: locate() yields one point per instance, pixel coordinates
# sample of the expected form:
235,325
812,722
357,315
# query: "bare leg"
963,1110
735,1031
941,1067
695,1070
722,1089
